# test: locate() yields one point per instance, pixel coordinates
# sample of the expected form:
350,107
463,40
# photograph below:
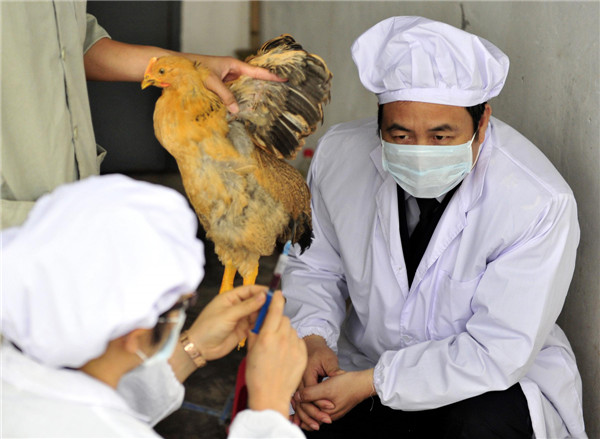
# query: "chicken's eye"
161,71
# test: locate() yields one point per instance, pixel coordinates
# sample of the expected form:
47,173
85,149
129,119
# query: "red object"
308,153
240,399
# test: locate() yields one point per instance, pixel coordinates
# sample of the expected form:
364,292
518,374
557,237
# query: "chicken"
245,194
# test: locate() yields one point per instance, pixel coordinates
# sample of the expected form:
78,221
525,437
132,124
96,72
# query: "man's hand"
220,326
275,362
322,362
226,320
344,390
110,60
225,69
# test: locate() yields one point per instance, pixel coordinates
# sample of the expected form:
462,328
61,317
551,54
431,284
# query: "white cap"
93,261
417,59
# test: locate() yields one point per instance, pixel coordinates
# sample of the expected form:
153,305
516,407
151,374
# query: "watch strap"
192,350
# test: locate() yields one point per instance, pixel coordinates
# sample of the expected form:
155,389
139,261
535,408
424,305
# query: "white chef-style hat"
417,59
94,260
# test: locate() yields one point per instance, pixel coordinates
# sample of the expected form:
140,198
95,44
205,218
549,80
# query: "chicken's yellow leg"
250,279
228,276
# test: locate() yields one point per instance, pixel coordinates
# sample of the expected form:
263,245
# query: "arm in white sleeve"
152,391
263,424
313,283
515,306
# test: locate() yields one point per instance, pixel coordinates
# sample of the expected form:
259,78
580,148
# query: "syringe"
283,257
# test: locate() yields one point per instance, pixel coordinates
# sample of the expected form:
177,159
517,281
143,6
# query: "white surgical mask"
427,171
166,350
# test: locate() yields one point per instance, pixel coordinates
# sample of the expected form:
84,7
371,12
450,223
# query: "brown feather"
278,115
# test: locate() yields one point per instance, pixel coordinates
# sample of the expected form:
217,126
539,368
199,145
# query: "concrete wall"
552,96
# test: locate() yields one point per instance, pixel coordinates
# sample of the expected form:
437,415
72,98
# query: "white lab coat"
39,401
480,314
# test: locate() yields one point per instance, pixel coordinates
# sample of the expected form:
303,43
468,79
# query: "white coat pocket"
451,306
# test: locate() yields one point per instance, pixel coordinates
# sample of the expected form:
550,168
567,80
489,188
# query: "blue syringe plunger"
281,262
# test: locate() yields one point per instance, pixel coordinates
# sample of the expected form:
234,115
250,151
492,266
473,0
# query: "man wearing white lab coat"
465,344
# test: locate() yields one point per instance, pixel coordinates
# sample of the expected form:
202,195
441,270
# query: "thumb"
336,372
332,367
251,340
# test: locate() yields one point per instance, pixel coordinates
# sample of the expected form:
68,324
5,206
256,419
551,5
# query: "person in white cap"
95,285
444,246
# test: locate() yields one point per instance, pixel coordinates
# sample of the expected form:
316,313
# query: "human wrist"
314,338
268,402
192,349
314,342
367,384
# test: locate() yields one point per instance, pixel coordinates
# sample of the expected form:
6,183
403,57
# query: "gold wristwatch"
192,350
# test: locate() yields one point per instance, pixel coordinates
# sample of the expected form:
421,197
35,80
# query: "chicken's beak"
148,80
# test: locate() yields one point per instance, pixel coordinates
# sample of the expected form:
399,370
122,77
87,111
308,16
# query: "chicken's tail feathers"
301,231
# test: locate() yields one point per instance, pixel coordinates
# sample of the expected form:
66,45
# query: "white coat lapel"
454,218
387,214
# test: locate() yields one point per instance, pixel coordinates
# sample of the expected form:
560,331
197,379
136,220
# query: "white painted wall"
552,96
215,27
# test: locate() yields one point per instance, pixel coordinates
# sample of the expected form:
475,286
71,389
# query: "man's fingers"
296,420
332,367
303,426
312,416
246,307
324,404
260,73
216,85
241,293
314,393
303,418
310,378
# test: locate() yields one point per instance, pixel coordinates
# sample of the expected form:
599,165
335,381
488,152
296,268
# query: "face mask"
165,352
427,171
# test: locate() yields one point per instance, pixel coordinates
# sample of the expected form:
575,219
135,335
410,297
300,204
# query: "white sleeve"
314,283
515,305
263,424
153,391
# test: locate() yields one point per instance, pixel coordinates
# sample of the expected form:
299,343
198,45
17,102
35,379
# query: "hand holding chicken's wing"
278,115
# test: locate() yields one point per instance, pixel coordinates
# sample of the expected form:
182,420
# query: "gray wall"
551,96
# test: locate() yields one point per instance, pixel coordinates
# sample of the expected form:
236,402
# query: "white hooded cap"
417,59
94,260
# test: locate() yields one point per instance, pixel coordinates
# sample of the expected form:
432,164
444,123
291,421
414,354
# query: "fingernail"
326,420
233,108
314,426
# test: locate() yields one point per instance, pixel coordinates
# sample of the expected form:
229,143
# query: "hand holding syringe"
276,361
273,285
